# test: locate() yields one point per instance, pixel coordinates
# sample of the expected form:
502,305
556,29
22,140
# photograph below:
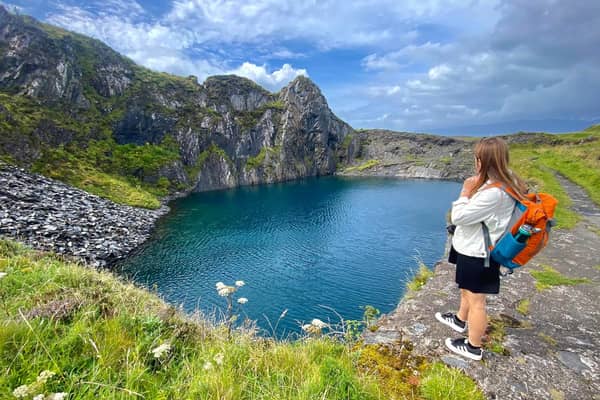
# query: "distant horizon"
451,68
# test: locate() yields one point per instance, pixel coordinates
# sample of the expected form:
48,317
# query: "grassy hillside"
100,337
574,155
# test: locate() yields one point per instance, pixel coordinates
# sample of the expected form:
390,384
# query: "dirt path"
552,349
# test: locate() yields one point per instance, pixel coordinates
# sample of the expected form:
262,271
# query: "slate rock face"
50,215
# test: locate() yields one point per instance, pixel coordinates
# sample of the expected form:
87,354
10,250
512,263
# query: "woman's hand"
468,186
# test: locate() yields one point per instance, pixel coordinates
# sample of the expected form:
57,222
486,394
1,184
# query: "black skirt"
473,276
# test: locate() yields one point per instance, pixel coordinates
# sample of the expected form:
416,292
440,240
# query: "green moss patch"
364,166
549,277
523,306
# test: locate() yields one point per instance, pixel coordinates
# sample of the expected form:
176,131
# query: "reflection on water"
336,242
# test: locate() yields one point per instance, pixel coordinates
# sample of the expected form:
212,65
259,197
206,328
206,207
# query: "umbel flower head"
315,327
161,350
225,290
44,376
21,392
3,274
242,300
57,396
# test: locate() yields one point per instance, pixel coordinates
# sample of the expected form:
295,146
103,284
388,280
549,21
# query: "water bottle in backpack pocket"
527,232
509,245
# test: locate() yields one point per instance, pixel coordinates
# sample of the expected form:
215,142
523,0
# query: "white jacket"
493,207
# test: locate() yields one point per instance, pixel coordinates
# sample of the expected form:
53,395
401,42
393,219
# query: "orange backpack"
535,210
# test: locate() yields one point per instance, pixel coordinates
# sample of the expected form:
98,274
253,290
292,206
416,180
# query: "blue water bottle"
524,233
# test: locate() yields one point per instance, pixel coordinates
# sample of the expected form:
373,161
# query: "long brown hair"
492,154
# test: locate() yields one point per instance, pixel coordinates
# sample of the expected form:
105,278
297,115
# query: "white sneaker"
451,320
462,347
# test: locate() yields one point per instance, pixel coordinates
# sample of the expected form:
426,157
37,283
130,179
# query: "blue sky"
453,66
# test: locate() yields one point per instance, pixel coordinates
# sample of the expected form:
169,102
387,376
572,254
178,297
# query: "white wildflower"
220,285
207,366
219,358
315,327
44,376
39,397
239,283
21,392
3,274
161,350
242,300
226,291
57,396
318,323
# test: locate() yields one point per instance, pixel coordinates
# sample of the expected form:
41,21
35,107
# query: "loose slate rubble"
50,215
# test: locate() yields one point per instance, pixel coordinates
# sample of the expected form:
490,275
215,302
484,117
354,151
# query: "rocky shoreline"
52,216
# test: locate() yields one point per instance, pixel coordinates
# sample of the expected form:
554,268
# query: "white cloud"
425,63
327,24
439,72
14,8
273,80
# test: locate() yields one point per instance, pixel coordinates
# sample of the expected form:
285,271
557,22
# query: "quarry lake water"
307,246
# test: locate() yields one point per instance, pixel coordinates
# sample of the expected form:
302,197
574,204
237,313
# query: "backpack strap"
488,244
504,188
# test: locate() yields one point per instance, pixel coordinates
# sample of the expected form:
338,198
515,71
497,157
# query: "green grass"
258,160
364,166
97,332
549,277
443,383
542,179
420,279
576,156
523,306
87,172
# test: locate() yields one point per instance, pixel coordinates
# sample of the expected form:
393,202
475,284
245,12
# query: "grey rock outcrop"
408,155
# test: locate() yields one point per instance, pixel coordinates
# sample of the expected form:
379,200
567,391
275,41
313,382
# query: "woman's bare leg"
463,311
477,317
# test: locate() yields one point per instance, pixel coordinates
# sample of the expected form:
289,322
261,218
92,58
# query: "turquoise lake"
305,246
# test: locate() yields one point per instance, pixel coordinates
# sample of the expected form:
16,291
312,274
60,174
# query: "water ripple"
328,241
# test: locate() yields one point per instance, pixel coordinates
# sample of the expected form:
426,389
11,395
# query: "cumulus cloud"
165,46
273,80
514,70
328,24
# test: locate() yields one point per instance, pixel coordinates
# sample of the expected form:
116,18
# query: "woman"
479,203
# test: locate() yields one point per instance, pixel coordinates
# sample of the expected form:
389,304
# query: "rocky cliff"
407,155
70,103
